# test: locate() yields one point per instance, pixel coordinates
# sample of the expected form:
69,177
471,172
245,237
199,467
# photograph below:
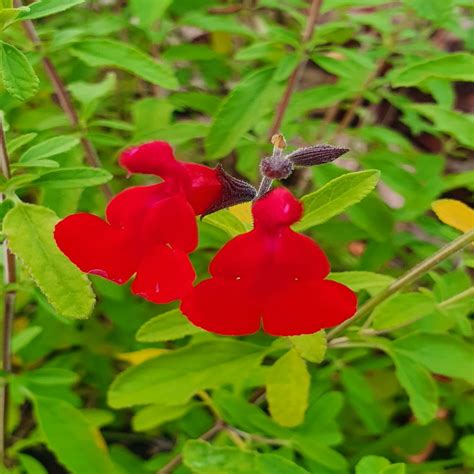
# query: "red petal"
164,275
96,247
223,307
171,221
205,187
243,256
128,208
276,209
305,308
152,158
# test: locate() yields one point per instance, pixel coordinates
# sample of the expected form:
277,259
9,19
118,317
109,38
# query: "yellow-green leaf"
454,213
311,347
29,230
287,386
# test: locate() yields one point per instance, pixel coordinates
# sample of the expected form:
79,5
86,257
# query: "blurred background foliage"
391,81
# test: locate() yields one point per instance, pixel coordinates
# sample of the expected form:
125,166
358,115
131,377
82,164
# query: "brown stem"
295,77
64,99
207,436
9,277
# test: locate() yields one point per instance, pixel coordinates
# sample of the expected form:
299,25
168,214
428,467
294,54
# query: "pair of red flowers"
271,275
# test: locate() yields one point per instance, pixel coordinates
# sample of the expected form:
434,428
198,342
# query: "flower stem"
409,277
9,277
65,101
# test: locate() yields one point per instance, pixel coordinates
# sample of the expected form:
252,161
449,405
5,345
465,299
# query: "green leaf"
148,13
166,327
31,465
86,92
50,147
15,143
77,444
8,16
104,52
362,399
23,338
226,221
456,124
203,458
372,282
44,8
155,415
18,76
439,12
379,465
401,309
419,385
440,353
287,385
239,112
453,66
311,347
29,230
173,378
81,177
336,196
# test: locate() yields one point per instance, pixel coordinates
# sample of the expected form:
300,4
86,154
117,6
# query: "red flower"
149,230
271,276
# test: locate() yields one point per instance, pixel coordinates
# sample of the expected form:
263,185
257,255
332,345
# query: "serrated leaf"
203,458
401,309
311,347
68,439
454,213
50,147
440,353
419,385
238,113
29,230
66,178
18,76
287,385
175,377
166,327
453,66
104,52
336,196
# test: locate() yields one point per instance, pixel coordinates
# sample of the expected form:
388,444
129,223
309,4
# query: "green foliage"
29,230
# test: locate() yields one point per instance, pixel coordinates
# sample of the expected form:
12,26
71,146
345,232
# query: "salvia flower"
270,276
149,230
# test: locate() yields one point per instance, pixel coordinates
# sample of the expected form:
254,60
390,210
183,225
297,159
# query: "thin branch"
64,99
294,79
9,277
409,277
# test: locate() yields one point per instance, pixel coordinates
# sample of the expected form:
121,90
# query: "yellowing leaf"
137,357
311,347
243,212
454,213
287,385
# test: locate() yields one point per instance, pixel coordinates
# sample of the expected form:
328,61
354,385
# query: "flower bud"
275,167
315,155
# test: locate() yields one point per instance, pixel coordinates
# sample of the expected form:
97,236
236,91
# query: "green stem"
409,277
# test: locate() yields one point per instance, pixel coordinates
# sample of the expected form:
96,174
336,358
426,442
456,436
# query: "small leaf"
148,13
401,309
287,385
155,415
31,465
44,8
238,113
68,433
104,52
29,230
80,177
23,338
166,327
18,76
419,385
311,347
336,196
357,281
379,465
226,221
142,355
203,458
453,66
50,147
454,213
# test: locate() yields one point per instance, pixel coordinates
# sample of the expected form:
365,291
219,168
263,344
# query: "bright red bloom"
149,230
271,276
